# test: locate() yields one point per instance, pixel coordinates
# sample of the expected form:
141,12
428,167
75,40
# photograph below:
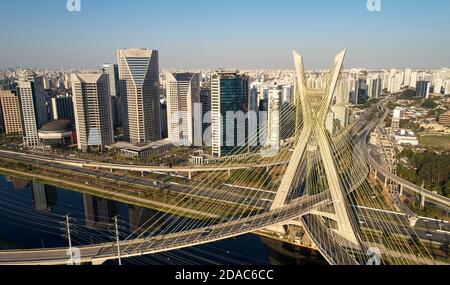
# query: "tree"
429,104
408,94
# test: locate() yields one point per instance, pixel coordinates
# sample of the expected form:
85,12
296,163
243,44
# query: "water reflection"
32,213
286,254
99,212
141,219
44,196
18,183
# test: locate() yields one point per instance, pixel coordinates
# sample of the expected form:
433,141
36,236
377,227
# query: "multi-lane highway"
429,195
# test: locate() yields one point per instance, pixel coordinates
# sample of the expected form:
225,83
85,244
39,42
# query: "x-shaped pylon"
315,107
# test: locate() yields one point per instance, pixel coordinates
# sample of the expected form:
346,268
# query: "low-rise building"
57,133
444,119
141,150
406,137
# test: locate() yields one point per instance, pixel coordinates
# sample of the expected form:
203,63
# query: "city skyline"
245,35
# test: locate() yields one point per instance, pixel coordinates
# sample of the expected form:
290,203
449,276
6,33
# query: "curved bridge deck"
98,254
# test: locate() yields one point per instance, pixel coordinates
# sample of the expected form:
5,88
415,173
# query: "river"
32,216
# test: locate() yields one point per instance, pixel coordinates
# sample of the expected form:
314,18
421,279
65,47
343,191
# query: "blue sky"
243,34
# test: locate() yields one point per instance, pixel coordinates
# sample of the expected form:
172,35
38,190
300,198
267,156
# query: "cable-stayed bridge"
315,183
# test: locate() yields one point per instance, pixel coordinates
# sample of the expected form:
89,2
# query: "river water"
32,215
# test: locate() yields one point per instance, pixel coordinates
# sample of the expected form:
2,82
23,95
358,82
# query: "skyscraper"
414,78
12,122
182,93
274,116
340,109
112,70
32,105
205,99
375,86
62,108
360,92
4,82
92,105
447,87
287,94
4,85
423,89
139,89
407,81
229,107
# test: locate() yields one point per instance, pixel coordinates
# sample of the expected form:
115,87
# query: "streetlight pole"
69,238
116,221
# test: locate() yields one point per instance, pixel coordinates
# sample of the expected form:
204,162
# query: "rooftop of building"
87,77
141,146
57,126
27,73
405,133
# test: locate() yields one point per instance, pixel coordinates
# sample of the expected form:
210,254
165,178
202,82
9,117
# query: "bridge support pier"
413,221
401,191
422,201
190,175
97,262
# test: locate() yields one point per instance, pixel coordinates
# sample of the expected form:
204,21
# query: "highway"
429,195
171,188
98,254
139,168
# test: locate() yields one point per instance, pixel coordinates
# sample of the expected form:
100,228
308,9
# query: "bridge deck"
99,253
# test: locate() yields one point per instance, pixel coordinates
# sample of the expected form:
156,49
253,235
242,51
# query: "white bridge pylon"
315,107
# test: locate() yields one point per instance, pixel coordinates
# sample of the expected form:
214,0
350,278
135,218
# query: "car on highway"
206,232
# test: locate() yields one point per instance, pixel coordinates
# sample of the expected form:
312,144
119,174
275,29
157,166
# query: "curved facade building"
58,132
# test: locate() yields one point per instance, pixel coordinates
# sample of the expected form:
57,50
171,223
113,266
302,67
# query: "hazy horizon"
248,35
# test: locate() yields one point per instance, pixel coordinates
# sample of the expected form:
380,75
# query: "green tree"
429,104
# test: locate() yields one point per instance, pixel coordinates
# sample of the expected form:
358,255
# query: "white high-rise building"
438,85
447,87
396,82
287,94
374,86
391,81
274,116
407,80
183,93
414,79
399,113
139,89
32,105
92,106
340,109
